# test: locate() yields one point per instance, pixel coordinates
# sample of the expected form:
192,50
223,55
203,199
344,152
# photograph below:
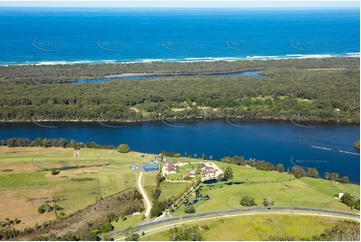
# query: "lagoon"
145,76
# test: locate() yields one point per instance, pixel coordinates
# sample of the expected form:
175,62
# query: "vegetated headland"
321,90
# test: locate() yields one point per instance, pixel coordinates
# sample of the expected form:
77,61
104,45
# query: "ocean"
105,35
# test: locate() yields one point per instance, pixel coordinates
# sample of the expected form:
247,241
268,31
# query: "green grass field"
149,183
170,189
26,182
259,227
283,189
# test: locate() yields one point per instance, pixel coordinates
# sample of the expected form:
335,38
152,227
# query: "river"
327,147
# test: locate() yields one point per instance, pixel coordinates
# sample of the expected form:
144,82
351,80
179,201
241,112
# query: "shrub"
349,200
248,201
267,202
45,208
344,179
189,209
123,148
106,227
54,171
157,209
156,193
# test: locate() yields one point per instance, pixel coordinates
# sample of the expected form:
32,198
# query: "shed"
150,167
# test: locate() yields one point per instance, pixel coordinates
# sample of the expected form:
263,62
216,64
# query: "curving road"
145,196
239,212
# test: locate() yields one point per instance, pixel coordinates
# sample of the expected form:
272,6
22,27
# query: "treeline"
297,171
159,206
260,165
45,142
295,90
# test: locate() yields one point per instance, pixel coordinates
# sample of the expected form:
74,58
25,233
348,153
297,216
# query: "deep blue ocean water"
76,35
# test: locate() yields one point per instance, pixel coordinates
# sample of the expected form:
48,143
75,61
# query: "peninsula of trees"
297,90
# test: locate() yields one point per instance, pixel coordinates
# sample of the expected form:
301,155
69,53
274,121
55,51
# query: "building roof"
171,168
150,167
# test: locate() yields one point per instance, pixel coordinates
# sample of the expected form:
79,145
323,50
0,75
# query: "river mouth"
249,73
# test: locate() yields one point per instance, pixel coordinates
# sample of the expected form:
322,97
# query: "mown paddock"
149,183
170,189
255,228
26,182
283,188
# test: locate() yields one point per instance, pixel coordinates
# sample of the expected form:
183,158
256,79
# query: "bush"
157,209
344,179
45,208
267,202
248,201
123,148
156,193
185,233
189,209
54,171
350,201
298,172
131,236
106,227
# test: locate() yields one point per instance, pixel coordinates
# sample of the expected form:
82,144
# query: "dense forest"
299,90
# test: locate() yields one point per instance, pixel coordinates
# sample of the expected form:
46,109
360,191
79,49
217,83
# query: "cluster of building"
208,171
172,166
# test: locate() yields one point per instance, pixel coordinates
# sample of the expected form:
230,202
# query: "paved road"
144,194
240,212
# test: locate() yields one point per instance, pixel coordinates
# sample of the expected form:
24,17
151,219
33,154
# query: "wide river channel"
327,147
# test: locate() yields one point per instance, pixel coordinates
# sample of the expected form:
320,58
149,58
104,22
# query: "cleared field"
129,221
149,183
283,189
26,181
149,179
259,227
170,189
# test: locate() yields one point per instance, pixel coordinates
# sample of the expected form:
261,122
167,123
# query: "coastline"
184,60
184,120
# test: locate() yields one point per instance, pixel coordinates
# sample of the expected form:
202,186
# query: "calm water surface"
325,147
